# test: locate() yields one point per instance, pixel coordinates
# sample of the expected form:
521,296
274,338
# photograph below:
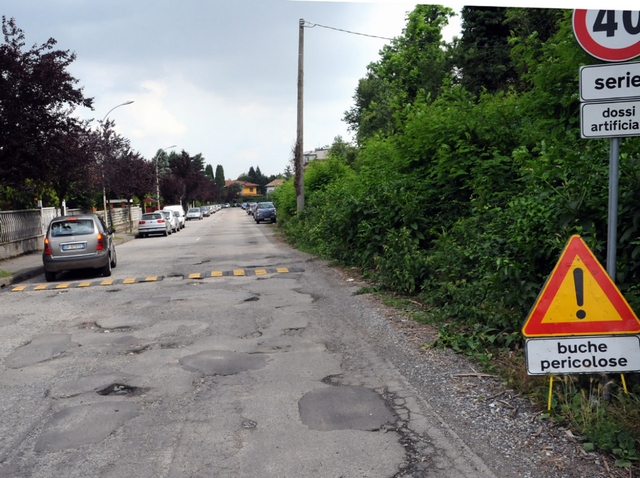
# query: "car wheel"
106,270
114,259
49,276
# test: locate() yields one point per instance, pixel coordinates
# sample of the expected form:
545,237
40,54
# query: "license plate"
72,247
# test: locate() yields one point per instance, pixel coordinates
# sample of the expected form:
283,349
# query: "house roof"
276,182
243,183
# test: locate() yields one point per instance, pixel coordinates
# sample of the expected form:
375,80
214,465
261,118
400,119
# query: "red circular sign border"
592,47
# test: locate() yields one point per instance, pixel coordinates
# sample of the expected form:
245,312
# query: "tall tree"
483,53
219,178
208,171
413,66
37,97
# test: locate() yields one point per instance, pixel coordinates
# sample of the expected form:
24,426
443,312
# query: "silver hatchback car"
78,242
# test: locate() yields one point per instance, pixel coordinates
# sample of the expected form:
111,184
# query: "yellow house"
248,189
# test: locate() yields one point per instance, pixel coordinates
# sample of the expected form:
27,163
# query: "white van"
180,211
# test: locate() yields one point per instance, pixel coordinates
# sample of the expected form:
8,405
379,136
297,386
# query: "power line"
418,42
313,25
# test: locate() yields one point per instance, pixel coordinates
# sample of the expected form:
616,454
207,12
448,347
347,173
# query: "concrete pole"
298,151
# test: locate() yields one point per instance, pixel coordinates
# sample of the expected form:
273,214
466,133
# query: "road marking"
134,280
84,284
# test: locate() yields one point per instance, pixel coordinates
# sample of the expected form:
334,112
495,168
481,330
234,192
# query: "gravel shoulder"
502,428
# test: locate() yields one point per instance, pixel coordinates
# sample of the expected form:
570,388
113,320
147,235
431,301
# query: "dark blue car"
265,211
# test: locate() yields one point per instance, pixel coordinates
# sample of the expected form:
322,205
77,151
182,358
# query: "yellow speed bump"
216,273
197,275
19,288
282,270
238,272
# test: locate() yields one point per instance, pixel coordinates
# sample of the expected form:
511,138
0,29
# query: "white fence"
22,232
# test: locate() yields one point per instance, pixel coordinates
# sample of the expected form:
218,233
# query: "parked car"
78,242
264,211
194,213
180,211
153,223
176,216
171,219
206,212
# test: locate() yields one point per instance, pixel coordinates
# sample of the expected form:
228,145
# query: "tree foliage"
37,129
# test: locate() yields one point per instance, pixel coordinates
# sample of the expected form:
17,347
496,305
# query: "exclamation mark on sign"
578,280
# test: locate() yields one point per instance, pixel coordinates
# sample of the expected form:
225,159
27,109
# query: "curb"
21,275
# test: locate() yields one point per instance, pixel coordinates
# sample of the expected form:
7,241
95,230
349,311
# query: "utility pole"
298,150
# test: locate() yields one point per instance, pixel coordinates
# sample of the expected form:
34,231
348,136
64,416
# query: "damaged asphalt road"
270,375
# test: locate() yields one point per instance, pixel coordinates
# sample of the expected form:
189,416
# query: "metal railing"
20,225
32,223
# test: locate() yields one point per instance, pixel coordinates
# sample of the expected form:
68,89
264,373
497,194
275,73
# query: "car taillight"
141,222
160,220
47,248
100,245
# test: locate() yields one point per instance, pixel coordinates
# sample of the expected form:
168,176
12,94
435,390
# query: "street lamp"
158,178
104,192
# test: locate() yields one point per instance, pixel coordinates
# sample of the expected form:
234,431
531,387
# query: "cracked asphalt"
255,375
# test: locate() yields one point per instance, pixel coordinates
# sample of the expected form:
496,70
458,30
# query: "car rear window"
265,204
149,217
76,227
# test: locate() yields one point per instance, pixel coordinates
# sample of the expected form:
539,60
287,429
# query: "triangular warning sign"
580,298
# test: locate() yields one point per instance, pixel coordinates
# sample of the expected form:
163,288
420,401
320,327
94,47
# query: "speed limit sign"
610,35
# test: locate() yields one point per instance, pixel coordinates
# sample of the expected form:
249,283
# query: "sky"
219,77
216,77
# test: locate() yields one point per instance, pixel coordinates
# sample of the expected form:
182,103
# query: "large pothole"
222,362
344,408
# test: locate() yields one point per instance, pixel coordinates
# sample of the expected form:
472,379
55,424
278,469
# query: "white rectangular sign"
610,120
620,81
573,355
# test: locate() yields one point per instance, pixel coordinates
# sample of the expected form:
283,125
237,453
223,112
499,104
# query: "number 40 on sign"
610,35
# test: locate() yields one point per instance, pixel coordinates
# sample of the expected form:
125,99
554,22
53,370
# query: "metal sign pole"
612,239
612,232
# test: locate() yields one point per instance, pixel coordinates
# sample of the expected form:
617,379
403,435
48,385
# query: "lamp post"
158,177
104,192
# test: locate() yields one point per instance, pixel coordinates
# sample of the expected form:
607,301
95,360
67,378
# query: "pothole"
333,379
139,350
252,299
113,290
293,332
204,261
121,389
252,335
